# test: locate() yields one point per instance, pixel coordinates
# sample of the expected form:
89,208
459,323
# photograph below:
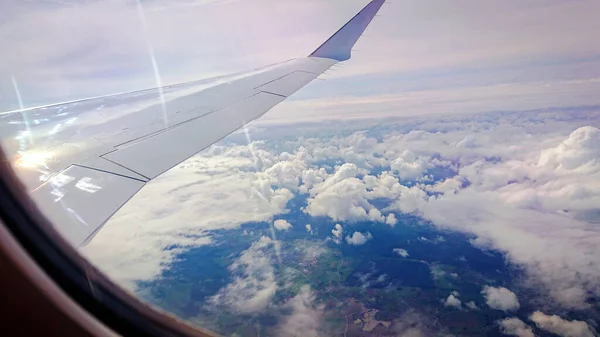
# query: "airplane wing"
83,160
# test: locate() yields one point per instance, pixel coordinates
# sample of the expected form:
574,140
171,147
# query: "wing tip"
339,46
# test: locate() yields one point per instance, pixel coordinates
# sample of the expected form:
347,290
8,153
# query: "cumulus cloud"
358,238
500,298
522,202
453,301
515,327
254,283
409,166
308,228
343,196
305,315
471,305
562,327
391,220
401,251
218,189
581,149
529,186
282,225
337,233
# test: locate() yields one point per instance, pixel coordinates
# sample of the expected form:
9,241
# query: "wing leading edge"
96,154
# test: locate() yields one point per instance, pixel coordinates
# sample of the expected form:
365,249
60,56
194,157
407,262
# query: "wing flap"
288,84
79,200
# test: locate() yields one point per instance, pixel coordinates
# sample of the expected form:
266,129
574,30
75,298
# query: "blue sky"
415,58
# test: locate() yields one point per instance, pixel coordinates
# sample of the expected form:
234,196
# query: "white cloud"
468,142
452,301
215,190
358,238
254,284
412,324
282,225
562,327
391,220
337,233
471,305
308,228
305,316
500,298
515,327
517,205
344,197
409,166
401,251
582,148
497,191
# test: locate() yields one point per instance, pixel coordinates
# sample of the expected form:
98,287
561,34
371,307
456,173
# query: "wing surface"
83,160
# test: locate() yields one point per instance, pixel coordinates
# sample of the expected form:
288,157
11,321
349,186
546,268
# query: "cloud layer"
524,184
562,327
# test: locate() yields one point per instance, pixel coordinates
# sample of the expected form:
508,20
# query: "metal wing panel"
58,136
288,84
84,159
79,200
155,155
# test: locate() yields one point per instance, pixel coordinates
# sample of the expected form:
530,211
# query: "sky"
421,57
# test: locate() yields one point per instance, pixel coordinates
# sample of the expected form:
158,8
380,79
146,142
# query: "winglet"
339,45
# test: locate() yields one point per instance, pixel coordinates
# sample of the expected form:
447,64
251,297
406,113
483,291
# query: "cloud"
282,225
562,327
305,315
391,220
401,251
497,192
471,305
413,324
342,197
337,233
453,301
345,197
358,238
515,204
308,228
409,166
254,283
515,327
582,148
500,298
215,190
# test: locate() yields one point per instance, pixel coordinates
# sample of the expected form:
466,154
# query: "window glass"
444,181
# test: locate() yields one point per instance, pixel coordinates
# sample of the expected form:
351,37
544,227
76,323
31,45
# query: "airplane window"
438,175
